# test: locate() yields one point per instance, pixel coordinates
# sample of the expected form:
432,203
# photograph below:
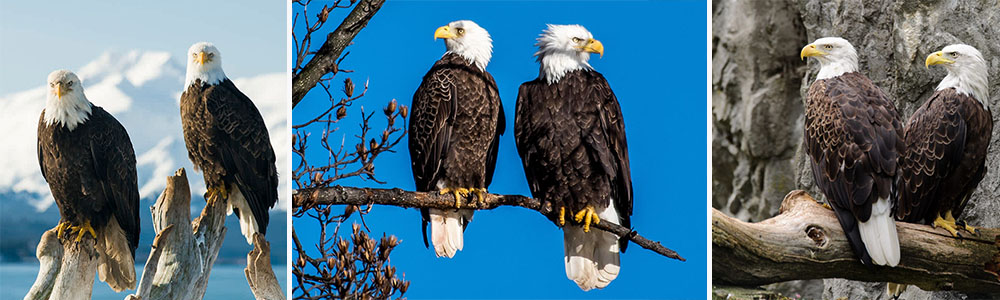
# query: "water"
225,282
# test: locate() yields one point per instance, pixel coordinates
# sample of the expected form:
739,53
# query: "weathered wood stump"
178,267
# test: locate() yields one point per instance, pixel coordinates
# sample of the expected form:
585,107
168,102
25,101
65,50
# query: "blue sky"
37,37
654,60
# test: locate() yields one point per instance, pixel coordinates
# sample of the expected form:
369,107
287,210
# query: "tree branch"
325,58
805,241
340,195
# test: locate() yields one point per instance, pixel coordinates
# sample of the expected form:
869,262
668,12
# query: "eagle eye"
461,31
953,54
577,40
211,55
68,84
828,47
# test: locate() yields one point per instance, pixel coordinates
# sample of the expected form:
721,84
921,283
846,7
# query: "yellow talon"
948,223
562,216
587,216
59,229
579,215
970,229
85,228
459,194
480,195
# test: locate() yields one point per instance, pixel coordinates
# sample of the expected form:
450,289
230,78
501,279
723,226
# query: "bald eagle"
227,141
86,157
946,142
455,130
571,138
852,136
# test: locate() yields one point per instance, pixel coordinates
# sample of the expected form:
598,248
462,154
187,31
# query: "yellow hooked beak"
202,57
810,50
444,32
936,58
60,90
594,46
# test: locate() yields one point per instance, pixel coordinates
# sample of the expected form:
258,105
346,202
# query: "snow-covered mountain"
142,90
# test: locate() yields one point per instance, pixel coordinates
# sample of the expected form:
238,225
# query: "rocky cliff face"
758,85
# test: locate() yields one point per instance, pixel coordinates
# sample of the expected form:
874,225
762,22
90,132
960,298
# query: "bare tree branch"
324,60
340,195
805,241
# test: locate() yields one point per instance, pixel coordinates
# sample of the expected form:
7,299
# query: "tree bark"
322,62
341,195
178,266
805,241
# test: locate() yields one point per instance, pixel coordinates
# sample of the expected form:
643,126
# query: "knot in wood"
817,234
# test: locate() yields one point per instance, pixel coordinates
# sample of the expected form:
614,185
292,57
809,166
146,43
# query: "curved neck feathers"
479,56
972,81
207,75
555,65
830,69
70,111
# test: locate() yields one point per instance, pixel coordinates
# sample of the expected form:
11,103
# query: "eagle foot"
459,194
948,223
62,226
562,216
480,195
587,216
826,205
85,228
216,193
962,225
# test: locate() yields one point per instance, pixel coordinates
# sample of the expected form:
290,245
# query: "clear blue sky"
655,61
37,37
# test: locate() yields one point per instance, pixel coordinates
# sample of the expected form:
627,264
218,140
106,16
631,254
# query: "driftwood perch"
805,241
178,266
340,195
69,278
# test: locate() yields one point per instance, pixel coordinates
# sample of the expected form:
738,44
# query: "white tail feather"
447,230
116,263
248,224
879,235
592,257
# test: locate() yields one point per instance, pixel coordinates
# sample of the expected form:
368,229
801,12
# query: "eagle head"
204,62
468,40
967,70
836,56
564,48
65,102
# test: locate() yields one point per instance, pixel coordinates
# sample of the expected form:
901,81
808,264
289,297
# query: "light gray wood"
805,241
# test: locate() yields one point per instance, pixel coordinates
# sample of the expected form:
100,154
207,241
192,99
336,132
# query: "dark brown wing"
434,108
431,118
114,163
944,157
613,151
852,138
491,158
245,148
571,139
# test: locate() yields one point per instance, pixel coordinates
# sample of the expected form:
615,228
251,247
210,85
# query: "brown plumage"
454,132
852,136
944,160
571,139
227,140
91,173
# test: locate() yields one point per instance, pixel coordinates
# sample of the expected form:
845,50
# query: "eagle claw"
459,194
587,216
